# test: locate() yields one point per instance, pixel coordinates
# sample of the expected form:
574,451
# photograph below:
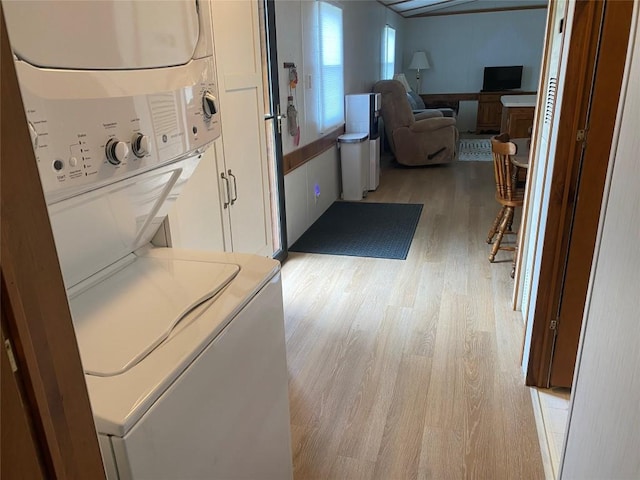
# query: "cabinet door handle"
228,190
235,187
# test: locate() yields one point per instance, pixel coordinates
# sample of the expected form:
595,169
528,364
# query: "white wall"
363,23
302,205
603,438
460,46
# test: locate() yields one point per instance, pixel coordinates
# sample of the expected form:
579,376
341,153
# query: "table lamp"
419,62
403,80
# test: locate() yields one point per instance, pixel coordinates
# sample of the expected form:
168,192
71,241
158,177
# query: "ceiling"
431,8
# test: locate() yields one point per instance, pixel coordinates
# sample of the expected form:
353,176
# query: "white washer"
183,351
211,401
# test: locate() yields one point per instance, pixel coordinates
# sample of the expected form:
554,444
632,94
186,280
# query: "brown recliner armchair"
428,138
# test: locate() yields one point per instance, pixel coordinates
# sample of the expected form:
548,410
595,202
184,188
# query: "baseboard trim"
545,449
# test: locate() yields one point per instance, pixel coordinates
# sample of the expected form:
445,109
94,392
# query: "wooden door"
20,451
598,53
236,27
36,318
590,175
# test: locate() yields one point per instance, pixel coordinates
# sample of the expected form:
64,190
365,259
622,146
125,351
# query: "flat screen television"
502,78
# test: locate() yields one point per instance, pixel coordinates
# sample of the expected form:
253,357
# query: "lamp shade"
403,80
419,61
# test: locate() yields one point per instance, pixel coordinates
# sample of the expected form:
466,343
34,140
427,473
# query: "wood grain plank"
399,454
427,310
352,469
367,416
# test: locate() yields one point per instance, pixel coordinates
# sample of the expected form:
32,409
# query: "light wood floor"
410,369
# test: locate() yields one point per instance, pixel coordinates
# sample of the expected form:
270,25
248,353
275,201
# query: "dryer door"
104,34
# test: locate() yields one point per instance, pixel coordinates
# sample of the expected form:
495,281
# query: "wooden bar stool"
508,193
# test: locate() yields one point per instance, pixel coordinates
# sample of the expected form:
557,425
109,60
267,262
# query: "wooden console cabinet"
517,121
447,100
517,115
490,110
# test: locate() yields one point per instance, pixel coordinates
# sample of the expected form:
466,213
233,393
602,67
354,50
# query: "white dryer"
183,351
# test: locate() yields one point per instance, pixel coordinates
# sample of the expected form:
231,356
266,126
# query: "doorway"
597,53
587,115
273,127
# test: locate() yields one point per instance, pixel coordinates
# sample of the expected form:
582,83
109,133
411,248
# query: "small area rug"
362,229
475,150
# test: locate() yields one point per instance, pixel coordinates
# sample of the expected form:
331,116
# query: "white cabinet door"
236,34
226,206
196,221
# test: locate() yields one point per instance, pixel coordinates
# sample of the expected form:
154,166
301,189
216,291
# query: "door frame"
275,116
599,28
523,231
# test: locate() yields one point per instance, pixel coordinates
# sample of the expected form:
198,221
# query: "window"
388,52
330,62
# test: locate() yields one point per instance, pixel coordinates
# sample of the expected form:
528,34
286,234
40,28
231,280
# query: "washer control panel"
85,142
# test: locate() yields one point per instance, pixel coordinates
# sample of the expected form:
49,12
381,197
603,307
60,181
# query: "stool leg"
508,214
515,257
510,225
496,222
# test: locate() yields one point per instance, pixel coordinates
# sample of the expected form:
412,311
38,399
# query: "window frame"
330,66
388,68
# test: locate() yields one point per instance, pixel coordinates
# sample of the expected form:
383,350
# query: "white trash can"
354,162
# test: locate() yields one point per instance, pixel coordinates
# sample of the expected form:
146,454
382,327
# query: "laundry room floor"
411,369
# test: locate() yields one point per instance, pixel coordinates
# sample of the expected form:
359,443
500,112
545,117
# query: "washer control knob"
116,151
209,105
141,145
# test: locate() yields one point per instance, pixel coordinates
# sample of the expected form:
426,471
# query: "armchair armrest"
430,124
429,113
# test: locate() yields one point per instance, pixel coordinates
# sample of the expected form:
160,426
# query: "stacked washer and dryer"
183,351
